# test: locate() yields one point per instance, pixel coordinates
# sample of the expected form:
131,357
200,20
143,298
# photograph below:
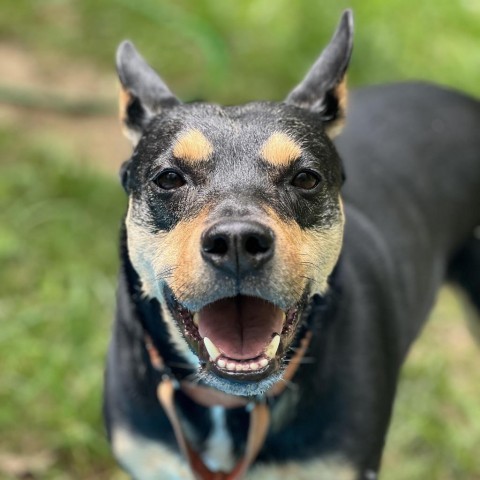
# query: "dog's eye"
169,180
306,180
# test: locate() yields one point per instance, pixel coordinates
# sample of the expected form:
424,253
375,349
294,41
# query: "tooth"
253,366
238,367
230,366
263,362
221,363
272,348
246,366
195,318
212,350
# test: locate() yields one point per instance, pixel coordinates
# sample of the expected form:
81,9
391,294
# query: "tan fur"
301,255
181,248
306,254
124,100
192,146
175,254
280,149
142,246
341,92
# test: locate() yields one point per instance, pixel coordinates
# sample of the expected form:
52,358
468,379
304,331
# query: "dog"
272,281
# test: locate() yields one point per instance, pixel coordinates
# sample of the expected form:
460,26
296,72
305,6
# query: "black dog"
262,317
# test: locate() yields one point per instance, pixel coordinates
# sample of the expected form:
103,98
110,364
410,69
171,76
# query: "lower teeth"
241,366
245,365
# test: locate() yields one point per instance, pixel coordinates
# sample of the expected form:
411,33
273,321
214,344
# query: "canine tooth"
212,350
272,348
230,366
263,362
195,318
221,363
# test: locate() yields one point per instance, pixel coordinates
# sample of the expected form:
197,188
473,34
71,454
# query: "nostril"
255,245
217,245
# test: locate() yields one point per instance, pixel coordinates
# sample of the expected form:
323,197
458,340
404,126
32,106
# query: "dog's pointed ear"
143,93
323,90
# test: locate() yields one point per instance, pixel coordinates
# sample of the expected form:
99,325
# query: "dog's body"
411,201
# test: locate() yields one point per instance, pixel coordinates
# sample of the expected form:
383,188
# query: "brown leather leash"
208,397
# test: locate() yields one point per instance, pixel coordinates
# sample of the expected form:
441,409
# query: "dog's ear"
143,94
323,90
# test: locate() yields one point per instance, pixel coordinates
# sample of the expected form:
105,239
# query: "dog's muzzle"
244,334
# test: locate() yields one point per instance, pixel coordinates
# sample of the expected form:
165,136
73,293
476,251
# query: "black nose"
239,246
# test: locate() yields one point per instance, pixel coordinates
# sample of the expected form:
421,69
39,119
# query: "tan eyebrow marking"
192,146
280,149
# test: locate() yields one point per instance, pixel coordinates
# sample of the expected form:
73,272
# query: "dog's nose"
237,247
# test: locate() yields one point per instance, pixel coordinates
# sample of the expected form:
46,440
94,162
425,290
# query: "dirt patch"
93,139
26,466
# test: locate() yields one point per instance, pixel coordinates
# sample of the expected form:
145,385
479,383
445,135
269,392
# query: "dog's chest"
146,459
218,454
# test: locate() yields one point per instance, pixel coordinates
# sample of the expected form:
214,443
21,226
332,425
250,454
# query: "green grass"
58,249
239,51
436,425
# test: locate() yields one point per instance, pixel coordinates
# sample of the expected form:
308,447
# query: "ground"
61,206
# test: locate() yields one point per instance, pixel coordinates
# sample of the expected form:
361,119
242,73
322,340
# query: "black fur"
412,156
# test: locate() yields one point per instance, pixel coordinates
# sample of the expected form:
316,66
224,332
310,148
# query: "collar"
259,419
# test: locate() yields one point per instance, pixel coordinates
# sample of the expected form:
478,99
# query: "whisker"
306,278
303,262
165,273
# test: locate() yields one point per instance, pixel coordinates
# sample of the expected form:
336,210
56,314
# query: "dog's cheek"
306,255
321,248
289,269
171,257
181,252
154,257
143,247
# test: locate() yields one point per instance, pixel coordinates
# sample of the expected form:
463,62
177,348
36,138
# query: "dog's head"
235,218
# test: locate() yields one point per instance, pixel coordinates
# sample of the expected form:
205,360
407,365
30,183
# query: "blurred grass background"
60,203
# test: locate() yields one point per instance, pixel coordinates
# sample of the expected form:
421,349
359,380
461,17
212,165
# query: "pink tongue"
240,327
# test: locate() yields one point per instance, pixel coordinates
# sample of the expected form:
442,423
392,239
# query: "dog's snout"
238,247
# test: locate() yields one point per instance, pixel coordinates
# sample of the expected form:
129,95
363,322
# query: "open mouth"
241,337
